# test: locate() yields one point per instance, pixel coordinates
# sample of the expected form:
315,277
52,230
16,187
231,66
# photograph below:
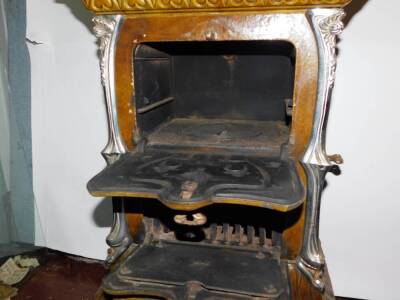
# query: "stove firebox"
206,81
216,155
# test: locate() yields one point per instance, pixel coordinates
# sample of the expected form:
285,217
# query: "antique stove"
216,153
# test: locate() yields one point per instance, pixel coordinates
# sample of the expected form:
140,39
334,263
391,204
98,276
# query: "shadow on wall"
102,214
79,11
352,9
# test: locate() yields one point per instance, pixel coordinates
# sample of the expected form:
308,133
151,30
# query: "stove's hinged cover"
184,180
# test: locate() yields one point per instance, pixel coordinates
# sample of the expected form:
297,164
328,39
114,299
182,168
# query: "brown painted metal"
244,26
147,21
178,27
138,29
188,27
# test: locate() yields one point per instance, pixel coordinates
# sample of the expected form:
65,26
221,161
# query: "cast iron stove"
216,154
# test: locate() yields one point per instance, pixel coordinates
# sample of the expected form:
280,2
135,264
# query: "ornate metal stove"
216,153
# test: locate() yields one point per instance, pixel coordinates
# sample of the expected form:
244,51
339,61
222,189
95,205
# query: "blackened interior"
212,119
228,81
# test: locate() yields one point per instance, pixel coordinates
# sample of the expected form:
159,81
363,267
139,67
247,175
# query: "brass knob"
192,220
336,158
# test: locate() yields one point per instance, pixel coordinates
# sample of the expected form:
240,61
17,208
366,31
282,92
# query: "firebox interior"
212,122
215,94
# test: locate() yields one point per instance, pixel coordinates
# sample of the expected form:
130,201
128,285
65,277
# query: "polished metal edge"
119,238
107,28
315,276
327,24
311,261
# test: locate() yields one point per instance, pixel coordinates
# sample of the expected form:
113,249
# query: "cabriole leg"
311,261
327,24
107,28
119,238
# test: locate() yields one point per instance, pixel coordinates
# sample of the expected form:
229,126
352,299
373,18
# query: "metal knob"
192,220
336,158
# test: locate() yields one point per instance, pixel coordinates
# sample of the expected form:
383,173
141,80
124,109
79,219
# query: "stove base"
179,270
297,285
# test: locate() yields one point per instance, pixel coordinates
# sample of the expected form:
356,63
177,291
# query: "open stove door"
182,179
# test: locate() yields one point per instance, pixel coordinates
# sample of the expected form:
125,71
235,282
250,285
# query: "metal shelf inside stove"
189,271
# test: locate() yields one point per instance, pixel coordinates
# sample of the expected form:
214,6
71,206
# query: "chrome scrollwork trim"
327,24
107,30
311,261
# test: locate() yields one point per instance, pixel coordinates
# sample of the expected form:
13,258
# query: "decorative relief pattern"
331,27
140,5
106,29
327,25
103,29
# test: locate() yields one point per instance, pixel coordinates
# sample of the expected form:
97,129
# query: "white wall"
360,211
68,127
360,219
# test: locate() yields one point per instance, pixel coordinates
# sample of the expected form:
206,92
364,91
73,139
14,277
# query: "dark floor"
64,277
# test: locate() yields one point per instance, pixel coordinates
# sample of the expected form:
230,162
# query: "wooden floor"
64,277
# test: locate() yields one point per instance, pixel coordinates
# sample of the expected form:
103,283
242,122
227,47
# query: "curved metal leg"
107,28
327,24
311,261
119,238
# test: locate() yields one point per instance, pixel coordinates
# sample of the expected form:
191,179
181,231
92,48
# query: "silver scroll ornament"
107,30
327,24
